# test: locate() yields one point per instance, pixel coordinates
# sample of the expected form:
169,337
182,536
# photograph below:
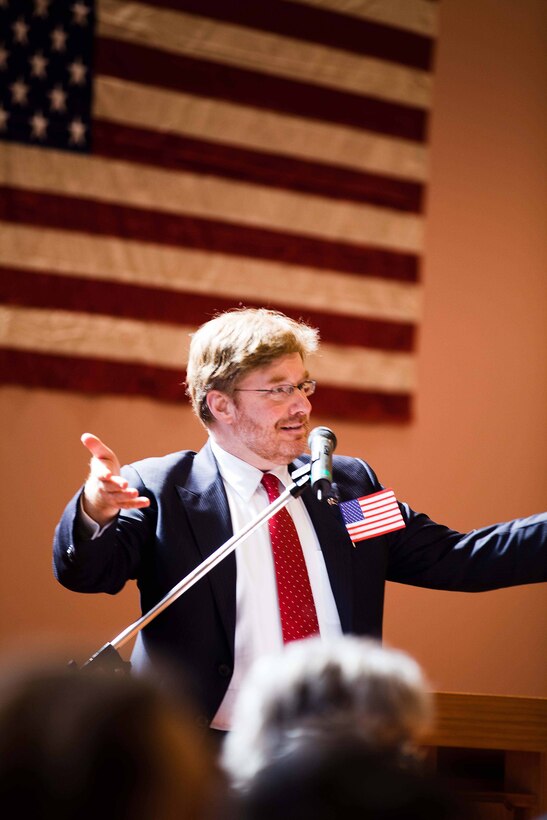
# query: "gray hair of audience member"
231,345
323,691
99,745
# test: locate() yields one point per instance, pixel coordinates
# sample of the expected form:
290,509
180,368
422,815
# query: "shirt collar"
242,476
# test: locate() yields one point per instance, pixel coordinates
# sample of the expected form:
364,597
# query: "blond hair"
232,344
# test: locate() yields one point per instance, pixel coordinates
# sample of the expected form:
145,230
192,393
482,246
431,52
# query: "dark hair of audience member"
345,782
82,745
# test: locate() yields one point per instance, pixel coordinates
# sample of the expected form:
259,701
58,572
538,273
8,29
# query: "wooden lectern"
493,751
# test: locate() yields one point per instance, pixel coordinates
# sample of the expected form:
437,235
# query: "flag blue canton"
46,49
351,511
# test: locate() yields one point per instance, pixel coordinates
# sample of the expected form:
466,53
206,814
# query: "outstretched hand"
106,492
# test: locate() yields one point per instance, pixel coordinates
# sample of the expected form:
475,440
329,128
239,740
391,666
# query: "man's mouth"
294,426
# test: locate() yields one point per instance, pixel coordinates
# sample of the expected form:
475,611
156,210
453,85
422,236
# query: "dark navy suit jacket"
188,518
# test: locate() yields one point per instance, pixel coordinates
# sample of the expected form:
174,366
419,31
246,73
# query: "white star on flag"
40,8
20,31
80,13
58,39
57,97
38,124
38,64
77,131
19,92
77,71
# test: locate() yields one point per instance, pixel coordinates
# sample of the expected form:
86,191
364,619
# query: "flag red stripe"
86,375
362,405
204,78
145,225
48,290
316,25
180,153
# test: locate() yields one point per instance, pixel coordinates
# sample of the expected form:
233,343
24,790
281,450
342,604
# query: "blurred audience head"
99,745
345,782
319,691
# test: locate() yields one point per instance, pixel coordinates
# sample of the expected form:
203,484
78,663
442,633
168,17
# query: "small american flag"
372,515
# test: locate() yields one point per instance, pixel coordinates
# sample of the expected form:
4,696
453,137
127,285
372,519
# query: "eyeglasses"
282,391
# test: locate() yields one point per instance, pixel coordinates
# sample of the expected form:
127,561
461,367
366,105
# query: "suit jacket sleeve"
432,555
502,555
104,564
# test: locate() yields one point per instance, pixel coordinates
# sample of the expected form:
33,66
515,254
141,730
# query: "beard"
274,442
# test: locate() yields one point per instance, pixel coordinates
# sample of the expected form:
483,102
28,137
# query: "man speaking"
320,565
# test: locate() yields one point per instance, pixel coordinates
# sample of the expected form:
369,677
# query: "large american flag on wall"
161,161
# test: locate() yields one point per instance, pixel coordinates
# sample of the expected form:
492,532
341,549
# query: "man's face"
267,431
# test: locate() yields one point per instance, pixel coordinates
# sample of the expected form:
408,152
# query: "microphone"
322,443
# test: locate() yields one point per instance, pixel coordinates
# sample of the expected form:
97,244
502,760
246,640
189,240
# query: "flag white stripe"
120,101
377,503
362,368
69,253
381,495
420,16
74,333
203,196
177,32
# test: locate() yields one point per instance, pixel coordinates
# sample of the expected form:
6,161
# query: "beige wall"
476,452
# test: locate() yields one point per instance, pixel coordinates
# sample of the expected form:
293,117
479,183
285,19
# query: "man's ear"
221,406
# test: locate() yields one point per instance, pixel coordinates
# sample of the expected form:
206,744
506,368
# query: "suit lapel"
207,509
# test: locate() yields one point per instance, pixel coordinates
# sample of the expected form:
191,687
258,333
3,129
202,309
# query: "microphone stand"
108,658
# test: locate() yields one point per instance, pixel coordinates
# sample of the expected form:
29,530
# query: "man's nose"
299,402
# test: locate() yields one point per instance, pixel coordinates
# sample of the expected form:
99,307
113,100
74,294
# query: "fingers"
96,447
127,499
116,492
112,483
106,491
104,462
104,497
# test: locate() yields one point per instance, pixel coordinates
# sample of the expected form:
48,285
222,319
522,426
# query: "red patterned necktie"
296,605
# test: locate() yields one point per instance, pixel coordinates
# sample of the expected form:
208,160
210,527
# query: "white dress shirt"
258,625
